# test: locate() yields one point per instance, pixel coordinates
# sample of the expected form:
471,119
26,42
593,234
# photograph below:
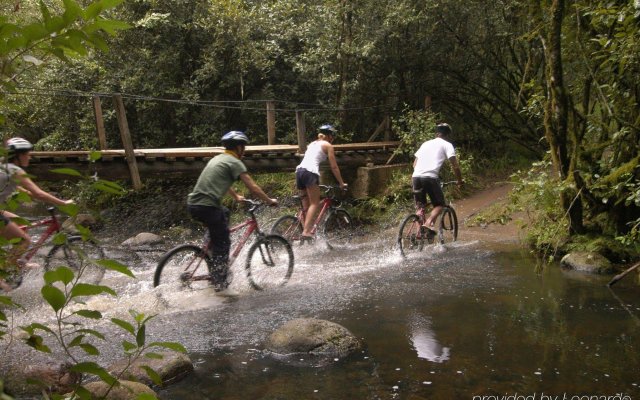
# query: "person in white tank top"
308,175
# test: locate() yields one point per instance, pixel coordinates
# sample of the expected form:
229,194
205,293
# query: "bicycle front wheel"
186,265
411,238
269,262
289,227
448,231
78,255
337,227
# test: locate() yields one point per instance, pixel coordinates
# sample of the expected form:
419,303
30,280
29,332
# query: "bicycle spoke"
411,238
269,262
185,266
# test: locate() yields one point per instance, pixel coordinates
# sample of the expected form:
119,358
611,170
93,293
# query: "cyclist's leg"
217,222
419,193
309,183
436,196
11,230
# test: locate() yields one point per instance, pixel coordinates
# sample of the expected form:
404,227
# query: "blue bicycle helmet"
237,137
328,130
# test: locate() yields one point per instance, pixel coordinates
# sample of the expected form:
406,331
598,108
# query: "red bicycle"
333,222
414,235
269,259
75,252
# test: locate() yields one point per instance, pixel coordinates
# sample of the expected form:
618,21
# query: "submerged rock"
172,367
588,262
86,220
53,377
126,390
318,338
143,239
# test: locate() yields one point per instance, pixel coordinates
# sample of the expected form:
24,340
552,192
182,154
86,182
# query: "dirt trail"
492,233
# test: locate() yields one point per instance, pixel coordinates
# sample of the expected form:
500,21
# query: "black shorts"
304,179
423,186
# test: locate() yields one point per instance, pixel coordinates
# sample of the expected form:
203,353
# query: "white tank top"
313,157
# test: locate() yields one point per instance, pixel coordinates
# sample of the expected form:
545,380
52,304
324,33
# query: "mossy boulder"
172,367
587,262
308,336
125,390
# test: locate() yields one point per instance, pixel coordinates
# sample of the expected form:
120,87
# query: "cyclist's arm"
34,191
331,155
456,169
235,195
255,189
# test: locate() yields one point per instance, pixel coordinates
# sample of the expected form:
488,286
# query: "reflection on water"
425,343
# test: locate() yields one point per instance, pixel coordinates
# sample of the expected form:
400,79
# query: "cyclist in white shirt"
426,167
308,175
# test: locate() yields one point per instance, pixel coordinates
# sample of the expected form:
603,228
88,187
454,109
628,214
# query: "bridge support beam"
373,180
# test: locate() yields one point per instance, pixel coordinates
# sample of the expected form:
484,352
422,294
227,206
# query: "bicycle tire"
287,226
79,255
337,227
411,238
269,262
186,264
448,230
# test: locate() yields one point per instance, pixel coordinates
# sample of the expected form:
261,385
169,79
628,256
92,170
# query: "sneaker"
307,239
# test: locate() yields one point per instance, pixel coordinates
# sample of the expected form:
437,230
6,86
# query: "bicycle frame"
53,226
251,225
326,204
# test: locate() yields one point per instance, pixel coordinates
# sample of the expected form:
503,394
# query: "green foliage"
414,127
536,192
27,43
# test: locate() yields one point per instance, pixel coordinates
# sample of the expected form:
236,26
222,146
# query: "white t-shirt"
313,157
430,157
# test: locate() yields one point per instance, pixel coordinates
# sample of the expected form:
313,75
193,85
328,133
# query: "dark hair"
444,129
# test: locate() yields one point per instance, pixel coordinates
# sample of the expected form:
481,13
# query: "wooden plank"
97,112
127,142
301,131
271,122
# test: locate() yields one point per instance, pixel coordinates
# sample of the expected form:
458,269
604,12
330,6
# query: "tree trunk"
557,121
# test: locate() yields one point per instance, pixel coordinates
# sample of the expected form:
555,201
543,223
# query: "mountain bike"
333,222
269,259
414,235
75,252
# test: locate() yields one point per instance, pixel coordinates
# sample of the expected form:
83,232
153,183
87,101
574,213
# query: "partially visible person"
14,178
426,169
204,203
308,175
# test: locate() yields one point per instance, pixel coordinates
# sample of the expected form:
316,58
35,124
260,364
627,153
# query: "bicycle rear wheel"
448,230
337,227
411,238
289,227
186,265
79,255
269,262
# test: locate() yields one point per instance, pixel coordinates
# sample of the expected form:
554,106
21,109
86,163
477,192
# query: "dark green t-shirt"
215,180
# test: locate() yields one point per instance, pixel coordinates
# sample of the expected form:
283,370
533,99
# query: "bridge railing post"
97,112
123,125
301,131
271,122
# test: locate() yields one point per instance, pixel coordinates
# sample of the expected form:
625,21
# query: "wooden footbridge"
115,164
138,164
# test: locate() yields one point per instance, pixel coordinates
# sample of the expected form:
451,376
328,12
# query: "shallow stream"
454,322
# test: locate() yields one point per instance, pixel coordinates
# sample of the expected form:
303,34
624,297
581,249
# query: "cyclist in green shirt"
204,202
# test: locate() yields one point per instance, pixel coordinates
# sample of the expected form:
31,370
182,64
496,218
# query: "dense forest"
553,80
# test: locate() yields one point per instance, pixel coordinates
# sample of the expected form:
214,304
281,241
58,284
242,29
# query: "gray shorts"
304,179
